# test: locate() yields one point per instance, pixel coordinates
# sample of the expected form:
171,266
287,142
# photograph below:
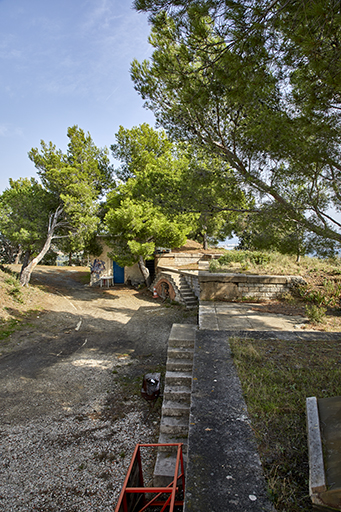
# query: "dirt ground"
110,325
78,365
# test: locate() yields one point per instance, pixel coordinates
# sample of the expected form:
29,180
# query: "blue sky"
66,62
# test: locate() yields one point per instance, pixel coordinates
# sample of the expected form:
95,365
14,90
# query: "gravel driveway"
71,412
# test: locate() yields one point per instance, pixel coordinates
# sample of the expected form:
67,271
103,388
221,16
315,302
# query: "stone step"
191,305
179,365
178,378
190,300
165,468
177,393
180,353
182,335
183,332
172,438
174,425
175,343
174,408
186,291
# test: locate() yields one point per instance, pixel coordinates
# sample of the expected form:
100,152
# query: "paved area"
224,471
230,316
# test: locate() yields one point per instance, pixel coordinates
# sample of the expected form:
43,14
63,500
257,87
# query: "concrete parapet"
224,470
236,286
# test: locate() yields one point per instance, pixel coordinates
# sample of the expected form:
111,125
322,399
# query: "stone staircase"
185,291
190,299
176,400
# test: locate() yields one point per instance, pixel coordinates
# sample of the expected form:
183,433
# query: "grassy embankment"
18,304
320,297
276,378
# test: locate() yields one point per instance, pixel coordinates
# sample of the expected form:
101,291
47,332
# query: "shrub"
232,256
316,314
259,258
245,257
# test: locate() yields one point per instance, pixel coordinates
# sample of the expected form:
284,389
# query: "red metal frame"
128,502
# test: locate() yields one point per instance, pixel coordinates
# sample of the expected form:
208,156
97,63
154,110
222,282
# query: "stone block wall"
192,280
220,286
240,286
171,279
176,260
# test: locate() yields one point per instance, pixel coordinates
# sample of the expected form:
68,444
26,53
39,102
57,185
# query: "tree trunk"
25,261
144,271
26,272
18,256
204,228
205,244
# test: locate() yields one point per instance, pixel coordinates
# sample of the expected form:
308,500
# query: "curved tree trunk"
27,271
144,271
25,275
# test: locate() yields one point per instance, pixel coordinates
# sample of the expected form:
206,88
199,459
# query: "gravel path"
71,412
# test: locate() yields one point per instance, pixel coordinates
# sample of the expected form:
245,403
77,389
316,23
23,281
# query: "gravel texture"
70,406
69,463
75,458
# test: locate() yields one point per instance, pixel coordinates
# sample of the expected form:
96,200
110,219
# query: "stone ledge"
224,470
245,278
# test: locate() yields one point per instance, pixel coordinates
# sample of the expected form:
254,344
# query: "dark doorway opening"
150,264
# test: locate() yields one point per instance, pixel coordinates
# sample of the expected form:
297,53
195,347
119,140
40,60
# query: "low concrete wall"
221,286
177,259
239,286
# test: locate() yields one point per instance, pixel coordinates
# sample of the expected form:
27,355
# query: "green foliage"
316,314
14,288
329,295
258,84
64,205
50,258
75,179
135,228
138,147
242,257
7,327
235,256
182,181
24,211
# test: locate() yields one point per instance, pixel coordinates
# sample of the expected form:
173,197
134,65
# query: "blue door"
118,273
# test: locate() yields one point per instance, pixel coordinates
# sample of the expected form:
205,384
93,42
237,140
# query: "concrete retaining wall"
239,286
221,286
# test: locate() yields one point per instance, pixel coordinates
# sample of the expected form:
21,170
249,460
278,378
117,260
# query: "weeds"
7,327
316,314
244,258
276,378
328,295
14,289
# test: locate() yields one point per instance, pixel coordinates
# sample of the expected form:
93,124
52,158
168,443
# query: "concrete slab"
224,470
226,316
180,332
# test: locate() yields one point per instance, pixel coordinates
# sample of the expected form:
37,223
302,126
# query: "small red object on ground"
133,494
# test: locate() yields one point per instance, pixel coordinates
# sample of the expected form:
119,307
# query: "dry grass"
321,295
276,378
18,304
